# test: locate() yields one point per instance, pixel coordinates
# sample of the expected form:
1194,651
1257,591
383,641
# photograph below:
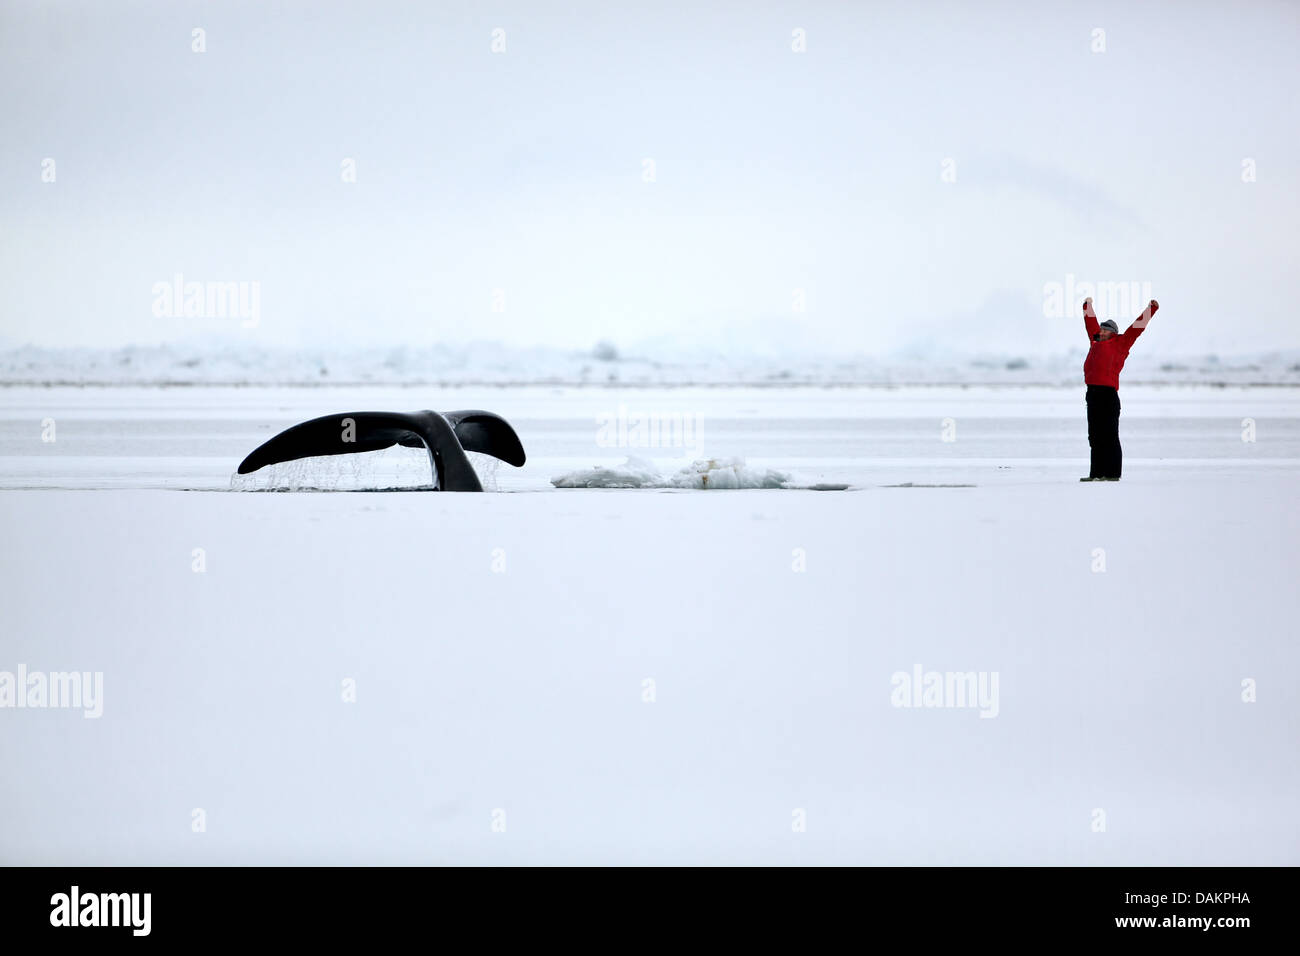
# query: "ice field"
657,675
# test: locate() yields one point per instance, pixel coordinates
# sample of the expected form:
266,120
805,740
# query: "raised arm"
1140,323
1090,319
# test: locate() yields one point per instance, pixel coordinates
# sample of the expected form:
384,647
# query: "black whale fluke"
446,436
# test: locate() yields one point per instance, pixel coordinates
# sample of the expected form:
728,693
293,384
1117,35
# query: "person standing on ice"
1106,355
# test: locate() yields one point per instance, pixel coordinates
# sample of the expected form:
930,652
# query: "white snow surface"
657,675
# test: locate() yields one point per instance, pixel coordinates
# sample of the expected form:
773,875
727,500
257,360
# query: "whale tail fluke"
487,434
445,437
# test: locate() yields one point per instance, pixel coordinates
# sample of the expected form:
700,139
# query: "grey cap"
1110,324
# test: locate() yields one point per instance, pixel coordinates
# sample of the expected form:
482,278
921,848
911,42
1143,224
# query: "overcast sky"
525,171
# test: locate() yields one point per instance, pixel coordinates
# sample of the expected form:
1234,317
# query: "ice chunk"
703,474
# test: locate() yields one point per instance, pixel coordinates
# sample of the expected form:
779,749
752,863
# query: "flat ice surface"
501,645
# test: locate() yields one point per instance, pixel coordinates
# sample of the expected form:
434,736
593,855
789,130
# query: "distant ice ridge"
487,363
702,475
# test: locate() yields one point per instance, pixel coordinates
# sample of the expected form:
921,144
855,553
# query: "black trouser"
1103,432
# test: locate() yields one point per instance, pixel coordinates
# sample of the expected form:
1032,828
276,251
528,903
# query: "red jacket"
1106,359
